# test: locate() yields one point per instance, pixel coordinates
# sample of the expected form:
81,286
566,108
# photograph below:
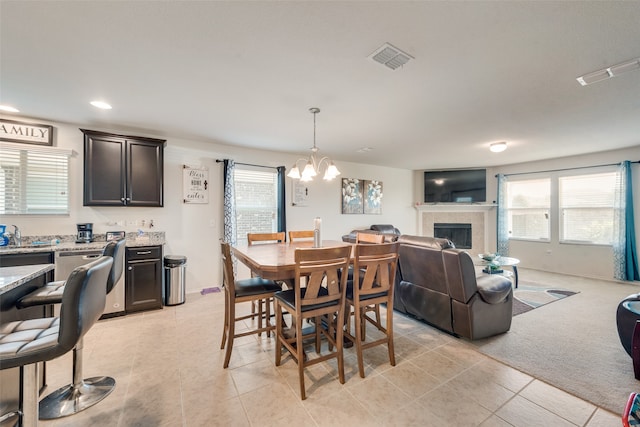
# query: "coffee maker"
85,233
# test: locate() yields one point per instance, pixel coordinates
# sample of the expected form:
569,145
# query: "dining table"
276,261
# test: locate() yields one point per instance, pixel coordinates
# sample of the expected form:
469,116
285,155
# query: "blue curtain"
229,203
625,253
503,220
282,205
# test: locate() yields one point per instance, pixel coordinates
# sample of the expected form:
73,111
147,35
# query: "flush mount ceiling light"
9,109
101,104
390,56
498,147
312,164
607,73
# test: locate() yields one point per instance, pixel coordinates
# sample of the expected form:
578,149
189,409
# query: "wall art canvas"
372,197
352,202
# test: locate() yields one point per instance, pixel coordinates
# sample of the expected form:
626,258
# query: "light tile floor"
168,368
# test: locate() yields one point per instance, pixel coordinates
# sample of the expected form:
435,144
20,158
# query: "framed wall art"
352,202
195,183
28,133
372,197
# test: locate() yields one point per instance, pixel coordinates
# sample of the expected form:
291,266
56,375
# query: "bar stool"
25,343
81,393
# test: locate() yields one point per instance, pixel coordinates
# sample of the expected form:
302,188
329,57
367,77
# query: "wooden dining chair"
300,235
255,289
319,291
369,238
263,238
373,284
252,238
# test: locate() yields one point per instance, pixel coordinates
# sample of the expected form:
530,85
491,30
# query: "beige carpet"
572,344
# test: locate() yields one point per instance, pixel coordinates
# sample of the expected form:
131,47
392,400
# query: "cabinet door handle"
130,268
143,253
128,199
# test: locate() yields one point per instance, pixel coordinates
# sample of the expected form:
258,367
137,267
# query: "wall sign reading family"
361,196
195,182
29,133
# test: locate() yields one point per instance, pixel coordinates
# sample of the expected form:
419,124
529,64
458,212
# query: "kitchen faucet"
17,236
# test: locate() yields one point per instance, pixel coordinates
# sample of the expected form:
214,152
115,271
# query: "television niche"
455,186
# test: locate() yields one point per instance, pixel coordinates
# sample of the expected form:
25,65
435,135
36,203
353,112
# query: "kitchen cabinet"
123,170
143,280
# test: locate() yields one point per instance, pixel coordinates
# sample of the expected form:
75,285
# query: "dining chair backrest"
265,237
369,238
228,276
300,234
115,249
374,269
322,271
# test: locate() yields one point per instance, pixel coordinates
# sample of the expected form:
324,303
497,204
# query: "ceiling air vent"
390,56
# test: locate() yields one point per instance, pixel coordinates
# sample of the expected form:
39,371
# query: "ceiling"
246,74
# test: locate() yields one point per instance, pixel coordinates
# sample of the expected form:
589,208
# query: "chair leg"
359,338
300,356
392,354
231,332
78,396
226,321
279,331
340,344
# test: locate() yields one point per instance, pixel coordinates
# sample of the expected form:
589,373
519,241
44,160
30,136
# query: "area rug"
528,297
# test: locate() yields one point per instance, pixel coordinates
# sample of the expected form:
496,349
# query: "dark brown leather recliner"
421,284
481,306
437,283
390,233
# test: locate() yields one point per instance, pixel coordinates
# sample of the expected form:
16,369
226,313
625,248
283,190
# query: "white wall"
194,230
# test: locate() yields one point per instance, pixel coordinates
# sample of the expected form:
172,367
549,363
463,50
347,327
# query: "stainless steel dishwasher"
67,261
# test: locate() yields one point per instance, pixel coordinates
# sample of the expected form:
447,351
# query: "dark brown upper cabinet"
122,170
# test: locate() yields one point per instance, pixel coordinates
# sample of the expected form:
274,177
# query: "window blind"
34,180
587,207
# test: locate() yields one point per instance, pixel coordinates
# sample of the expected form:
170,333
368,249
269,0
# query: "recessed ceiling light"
101,104
364,149
9,109
498,147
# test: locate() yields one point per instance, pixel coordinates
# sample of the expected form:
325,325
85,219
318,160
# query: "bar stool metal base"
71,399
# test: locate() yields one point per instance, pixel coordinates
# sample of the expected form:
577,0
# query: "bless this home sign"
29,133
195,182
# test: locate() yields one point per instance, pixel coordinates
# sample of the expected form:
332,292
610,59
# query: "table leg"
515,273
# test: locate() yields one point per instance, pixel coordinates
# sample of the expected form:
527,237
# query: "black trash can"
175,269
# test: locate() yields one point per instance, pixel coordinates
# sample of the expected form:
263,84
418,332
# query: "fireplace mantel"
455,207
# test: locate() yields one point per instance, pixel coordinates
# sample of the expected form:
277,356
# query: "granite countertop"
12,277
133,240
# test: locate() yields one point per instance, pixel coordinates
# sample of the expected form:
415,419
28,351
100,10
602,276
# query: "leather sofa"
391,233
437,283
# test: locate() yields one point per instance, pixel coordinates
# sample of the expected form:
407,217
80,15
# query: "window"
33,180
528,205
256,200
587,208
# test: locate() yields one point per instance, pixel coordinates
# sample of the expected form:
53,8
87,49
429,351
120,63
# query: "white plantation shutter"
587,208
256,192
33,180
528,206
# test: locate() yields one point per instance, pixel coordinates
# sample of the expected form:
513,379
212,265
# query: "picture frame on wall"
26,133
373,197
352,200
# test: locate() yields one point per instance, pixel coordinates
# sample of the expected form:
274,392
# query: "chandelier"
312,164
